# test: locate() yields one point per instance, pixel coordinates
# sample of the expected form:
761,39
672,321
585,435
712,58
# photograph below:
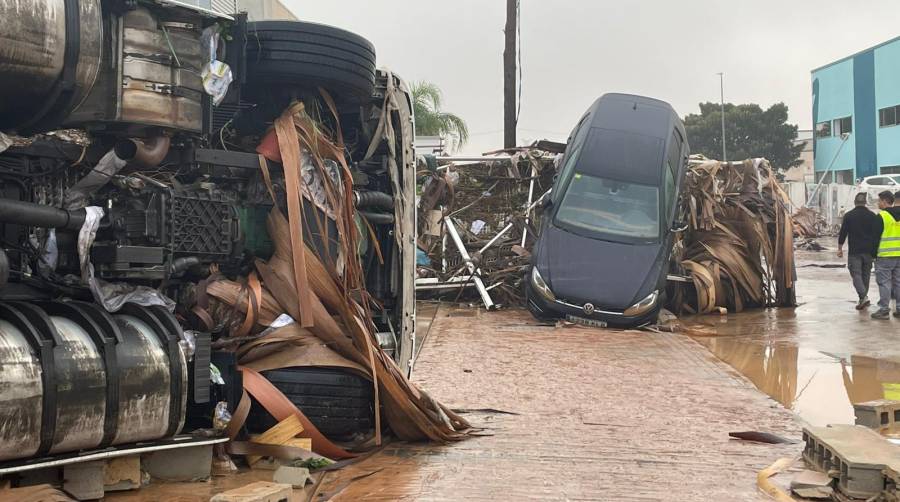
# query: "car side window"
568,166
877,181
673,168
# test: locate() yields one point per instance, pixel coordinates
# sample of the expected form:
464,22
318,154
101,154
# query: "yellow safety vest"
890,237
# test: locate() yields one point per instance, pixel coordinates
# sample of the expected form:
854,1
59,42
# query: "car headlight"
540,285
643,306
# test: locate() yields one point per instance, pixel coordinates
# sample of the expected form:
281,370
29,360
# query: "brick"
855,455
882,415
84,480
122,473
294,476
261,491
179,464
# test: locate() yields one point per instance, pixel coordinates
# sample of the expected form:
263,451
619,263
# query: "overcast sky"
575,50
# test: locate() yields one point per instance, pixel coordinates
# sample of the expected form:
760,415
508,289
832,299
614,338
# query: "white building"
260,10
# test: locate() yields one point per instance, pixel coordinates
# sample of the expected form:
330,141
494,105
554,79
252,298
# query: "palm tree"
431,120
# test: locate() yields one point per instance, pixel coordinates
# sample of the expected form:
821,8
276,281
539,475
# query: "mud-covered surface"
816,359
577,414
567,414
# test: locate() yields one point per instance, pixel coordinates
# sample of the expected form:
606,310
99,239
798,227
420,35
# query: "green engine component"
253,227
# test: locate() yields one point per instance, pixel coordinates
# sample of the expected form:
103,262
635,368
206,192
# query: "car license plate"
586,322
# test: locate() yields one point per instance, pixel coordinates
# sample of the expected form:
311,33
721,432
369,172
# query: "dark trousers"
860,266
887,274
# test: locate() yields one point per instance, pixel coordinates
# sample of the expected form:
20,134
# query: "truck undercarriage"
140,166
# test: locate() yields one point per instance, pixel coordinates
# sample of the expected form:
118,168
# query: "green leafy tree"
431,120
750,132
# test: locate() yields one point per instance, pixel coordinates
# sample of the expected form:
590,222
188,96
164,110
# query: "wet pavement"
576,414
817,359
583,414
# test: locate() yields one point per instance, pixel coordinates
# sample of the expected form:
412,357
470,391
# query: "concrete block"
261,491
812,485
882,415
84,481
855,455
192,463
294,476
891,491
123,473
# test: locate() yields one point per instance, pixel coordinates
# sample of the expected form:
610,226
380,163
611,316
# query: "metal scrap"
477,223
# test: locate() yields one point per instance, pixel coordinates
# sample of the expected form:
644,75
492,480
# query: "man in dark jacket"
863,227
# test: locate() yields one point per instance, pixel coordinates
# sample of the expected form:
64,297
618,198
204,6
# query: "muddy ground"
586,414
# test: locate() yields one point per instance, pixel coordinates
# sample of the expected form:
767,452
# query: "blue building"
856,112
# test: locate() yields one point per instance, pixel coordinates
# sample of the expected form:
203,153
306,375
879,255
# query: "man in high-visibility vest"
887,264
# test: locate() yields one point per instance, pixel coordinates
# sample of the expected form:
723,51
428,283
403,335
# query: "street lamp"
722,96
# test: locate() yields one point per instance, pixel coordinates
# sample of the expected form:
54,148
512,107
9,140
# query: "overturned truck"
139,169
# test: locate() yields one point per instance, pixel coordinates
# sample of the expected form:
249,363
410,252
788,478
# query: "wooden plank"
305,443
280,433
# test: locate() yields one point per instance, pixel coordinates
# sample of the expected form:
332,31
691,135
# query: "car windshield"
608,208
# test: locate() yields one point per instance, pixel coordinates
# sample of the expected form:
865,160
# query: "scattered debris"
857,455
36,493
739,245
282,433
323,296
260,491
812,485
765,484
477,224
809,245
760,437
808,223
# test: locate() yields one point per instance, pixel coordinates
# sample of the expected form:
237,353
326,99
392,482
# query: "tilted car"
606,237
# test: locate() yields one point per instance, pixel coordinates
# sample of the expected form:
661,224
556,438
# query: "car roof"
634,114
627,131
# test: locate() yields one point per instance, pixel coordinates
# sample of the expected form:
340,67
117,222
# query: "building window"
889,116
823,129
890,170
844,177
843,126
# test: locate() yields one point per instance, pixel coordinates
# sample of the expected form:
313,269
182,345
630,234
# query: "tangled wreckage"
479,220
193,205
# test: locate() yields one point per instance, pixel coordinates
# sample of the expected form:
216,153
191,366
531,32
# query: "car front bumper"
542,308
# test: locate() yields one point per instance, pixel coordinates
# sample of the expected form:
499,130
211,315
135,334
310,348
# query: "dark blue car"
606,235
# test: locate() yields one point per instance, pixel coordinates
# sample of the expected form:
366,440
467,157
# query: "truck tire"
310,55
339,403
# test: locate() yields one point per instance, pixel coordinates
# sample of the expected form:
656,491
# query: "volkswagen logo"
588,308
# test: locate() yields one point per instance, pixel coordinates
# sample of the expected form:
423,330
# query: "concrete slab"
184,464
855,455
294,476
882,415
84,481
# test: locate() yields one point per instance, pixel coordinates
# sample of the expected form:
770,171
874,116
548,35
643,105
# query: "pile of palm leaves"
325,295
739,246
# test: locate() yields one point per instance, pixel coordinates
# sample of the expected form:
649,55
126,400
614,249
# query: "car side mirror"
679,226
547,203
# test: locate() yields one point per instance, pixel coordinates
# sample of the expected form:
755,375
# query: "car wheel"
339,403
309,55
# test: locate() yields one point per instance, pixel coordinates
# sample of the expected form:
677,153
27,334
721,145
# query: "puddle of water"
819,387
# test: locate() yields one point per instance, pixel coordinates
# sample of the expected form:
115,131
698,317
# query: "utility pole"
722,95
509,76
